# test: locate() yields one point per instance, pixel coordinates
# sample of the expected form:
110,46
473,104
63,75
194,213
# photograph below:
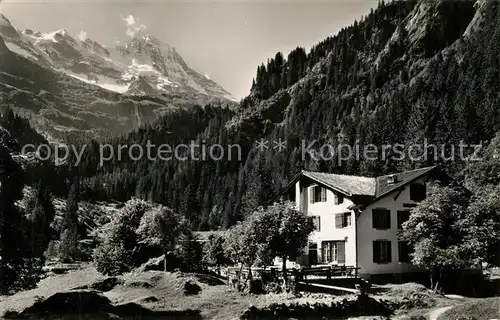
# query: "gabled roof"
373,188
348,185
403,178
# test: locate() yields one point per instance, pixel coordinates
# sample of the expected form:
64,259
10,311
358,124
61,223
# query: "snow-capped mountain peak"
142,62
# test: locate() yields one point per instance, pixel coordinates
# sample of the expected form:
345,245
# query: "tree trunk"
431,278
285,277
164,260
439,276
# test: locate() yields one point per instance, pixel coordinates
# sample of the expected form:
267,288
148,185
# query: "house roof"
349,185
403,178
363,186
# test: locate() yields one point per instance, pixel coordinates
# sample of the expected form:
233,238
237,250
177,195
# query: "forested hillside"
407,72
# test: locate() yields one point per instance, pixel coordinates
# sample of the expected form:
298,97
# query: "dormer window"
318,194
392,179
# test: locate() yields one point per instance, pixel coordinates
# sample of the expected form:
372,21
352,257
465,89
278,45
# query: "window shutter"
374,219
339,220
311,195
376,251
341,252
348,219
403,216
389,251
323,194
317,223
335,198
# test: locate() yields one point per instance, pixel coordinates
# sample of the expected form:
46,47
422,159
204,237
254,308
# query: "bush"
111,259
190,252
117,252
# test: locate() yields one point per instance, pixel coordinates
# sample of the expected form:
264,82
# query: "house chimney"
392,179
300,167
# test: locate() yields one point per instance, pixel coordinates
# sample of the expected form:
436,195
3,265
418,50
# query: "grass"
48,286
216,300
162,291
479,309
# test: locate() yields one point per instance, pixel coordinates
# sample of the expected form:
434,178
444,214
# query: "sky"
224,40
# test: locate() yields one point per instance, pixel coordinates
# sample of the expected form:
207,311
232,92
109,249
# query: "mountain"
408,73
65,84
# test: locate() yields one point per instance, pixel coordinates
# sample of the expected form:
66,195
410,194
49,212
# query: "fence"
302,274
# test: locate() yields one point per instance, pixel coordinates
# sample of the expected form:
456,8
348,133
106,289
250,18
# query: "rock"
107,284
157,264
138,284
147,299
191,288
104,285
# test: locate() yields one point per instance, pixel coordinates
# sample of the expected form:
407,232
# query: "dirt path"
434,314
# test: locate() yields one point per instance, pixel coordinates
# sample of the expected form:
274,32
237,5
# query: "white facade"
367,234
360,234
326,212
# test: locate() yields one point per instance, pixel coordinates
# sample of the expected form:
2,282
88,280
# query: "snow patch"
102,82
136,70
51,36
20,51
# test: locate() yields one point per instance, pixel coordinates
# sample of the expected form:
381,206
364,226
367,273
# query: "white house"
357,219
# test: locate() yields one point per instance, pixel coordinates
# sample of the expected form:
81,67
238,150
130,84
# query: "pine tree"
68,248
41,213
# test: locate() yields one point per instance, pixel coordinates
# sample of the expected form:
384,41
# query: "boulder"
104,285
154,264
157,264
147,299
191,288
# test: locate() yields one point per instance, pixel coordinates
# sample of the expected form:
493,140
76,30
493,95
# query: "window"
382,251
404,251
342,220
417,192
381,219
318,194
403,216
333,251
338,198
317,223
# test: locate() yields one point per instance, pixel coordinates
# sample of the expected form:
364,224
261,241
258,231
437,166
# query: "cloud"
82,35
130,20
132,27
